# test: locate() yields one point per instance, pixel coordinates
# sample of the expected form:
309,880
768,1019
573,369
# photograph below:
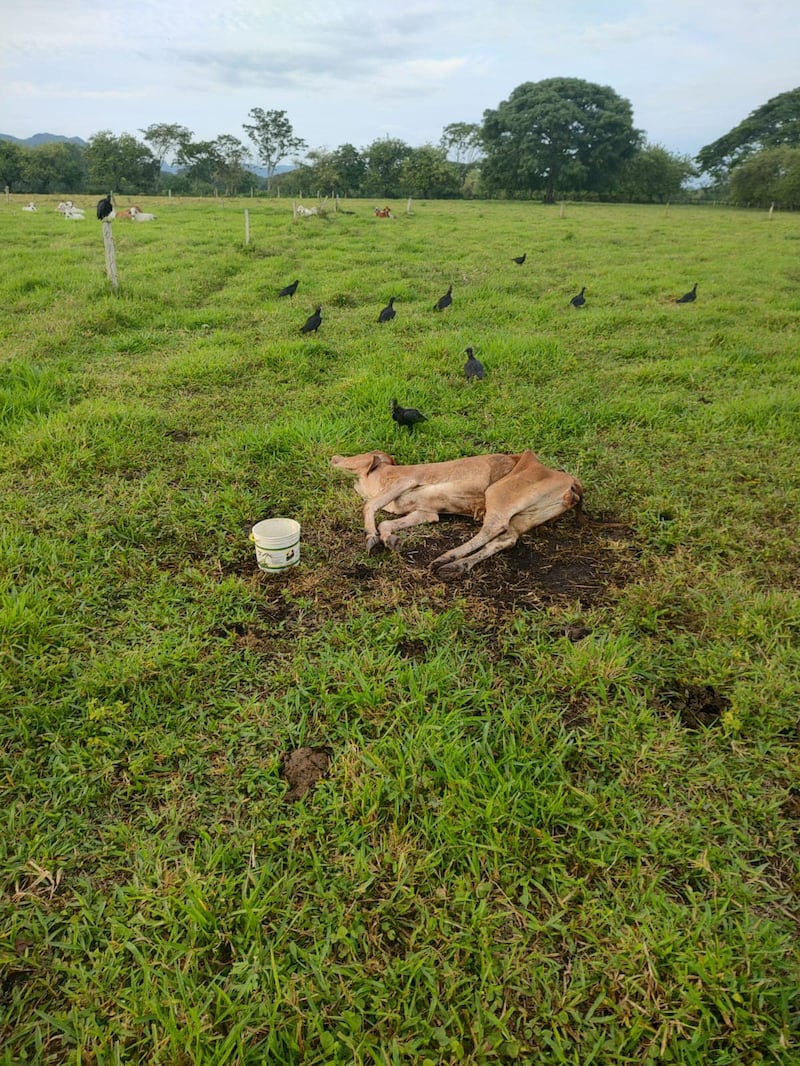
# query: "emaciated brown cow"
509,493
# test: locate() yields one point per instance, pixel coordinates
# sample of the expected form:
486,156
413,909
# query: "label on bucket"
277,542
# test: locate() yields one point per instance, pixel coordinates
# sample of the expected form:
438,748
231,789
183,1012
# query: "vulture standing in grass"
406,416
473,367
580,299
289,290
104,208
444,301
688,297
519,259
388,313
313,322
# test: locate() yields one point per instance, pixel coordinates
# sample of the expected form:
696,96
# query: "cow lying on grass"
510,493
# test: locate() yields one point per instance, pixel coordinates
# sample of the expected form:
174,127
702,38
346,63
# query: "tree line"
557,138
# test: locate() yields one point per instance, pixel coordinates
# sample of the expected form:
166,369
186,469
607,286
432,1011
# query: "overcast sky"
347,71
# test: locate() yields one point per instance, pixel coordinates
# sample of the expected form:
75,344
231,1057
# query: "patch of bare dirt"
697,706
566,564
302,768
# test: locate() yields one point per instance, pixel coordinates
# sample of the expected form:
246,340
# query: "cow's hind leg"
462,565
389,527
490,529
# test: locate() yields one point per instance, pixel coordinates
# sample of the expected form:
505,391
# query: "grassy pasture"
561,816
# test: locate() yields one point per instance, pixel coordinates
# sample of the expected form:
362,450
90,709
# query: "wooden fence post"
111,259
246,226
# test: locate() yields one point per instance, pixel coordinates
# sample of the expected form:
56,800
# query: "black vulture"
580,299
473,367
313,322
388,313
104,207
688,297
406,416
444,301
519,259
289,290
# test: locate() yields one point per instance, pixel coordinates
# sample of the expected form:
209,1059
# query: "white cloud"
347,70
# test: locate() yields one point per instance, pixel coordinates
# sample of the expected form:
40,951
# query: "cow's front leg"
389,527
371,508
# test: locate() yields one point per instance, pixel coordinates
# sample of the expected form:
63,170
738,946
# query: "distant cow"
509,493
30,206
68,209
383,212
141,216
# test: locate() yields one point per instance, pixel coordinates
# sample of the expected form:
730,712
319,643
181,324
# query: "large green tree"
654,174
561,134
273,136
122,164
385,159
462,142
229,171
426,172
11,160
55,166
775,123
768,177
165,140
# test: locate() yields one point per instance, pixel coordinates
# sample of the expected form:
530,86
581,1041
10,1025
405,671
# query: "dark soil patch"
790,808
559,563
412,649
179,436
302,768
697,706
562,565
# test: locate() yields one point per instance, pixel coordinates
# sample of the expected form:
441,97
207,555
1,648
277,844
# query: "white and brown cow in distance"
509,493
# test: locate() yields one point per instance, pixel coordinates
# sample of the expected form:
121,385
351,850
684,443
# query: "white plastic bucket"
277,542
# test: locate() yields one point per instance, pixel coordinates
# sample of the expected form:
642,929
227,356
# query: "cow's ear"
378,459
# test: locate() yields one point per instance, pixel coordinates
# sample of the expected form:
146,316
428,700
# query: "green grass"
521,851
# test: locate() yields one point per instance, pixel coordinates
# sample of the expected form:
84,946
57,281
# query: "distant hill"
42,138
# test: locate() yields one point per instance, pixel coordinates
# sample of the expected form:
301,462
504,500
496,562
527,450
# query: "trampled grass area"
561,816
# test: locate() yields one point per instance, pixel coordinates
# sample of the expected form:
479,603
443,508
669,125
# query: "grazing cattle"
305,212
383,212
68,209
510,493
141,216
30,207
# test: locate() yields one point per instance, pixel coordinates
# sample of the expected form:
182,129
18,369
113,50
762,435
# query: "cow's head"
361,465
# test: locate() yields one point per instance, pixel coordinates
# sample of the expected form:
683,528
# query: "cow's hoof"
451,571
374,544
